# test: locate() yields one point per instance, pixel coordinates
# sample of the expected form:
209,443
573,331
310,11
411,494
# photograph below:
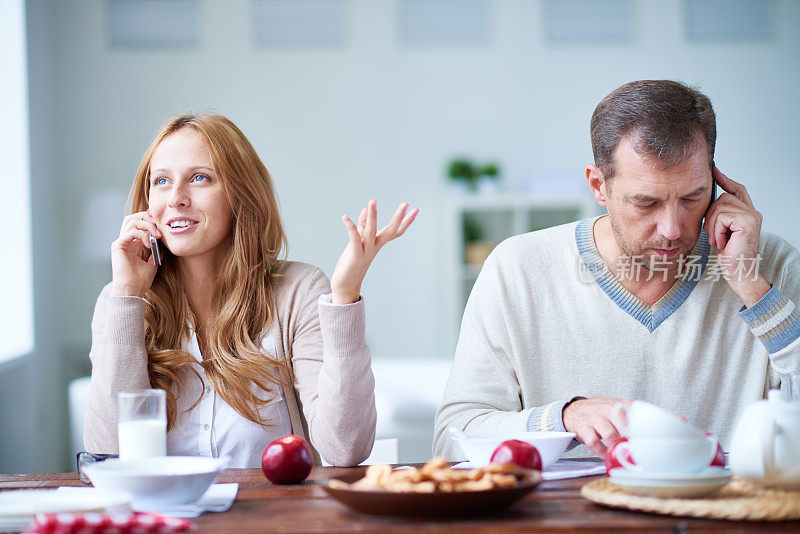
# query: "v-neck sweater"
331,401
547,322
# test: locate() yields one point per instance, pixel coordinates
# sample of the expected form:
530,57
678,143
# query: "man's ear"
597,184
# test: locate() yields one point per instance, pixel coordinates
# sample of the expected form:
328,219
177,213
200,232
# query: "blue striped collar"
650,316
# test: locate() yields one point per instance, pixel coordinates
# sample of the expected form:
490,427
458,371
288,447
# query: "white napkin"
562,469
218,498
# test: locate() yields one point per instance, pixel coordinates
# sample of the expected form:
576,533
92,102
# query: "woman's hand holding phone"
365,242
131,274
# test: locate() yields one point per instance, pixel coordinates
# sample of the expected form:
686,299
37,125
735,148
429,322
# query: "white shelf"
518,201
501,216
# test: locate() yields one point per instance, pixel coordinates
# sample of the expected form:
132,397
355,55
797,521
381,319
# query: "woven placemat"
736,500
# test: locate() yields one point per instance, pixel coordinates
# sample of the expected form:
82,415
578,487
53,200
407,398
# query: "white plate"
18,507
671,485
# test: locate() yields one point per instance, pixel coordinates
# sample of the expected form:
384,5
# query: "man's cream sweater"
547,321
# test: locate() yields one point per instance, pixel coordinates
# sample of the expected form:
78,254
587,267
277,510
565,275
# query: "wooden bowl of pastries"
433,490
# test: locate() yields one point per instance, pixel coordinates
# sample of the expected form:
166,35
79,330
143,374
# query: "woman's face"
186,198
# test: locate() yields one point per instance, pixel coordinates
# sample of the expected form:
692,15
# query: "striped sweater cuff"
774,320
547,418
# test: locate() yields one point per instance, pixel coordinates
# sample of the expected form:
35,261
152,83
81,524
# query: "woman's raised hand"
365,242
131,275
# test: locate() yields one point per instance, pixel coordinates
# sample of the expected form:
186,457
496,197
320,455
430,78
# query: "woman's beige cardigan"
333,398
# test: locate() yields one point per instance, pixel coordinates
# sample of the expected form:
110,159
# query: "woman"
247,346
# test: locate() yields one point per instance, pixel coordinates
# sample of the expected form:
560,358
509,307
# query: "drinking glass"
142,424
84,458
793,381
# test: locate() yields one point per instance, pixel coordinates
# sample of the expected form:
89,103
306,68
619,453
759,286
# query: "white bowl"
479,448
159,482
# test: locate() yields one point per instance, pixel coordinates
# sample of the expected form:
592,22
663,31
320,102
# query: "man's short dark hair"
666,118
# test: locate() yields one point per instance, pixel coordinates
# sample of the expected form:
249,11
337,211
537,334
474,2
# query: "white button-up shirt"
213,428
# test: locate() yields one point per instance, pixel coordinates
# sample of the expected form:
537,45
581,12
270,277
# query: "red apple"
287,460
611,460
517,452
719,457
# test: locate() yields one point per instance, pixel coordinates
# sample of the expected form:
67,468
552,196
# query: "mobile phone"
713,184
155,251
713,190
713,195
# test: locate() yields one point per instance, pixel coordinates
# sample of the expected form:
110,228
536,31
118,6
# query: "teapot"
766,443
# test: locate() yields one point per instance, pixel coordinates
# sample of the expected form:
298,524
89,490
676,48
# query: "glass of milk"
142,424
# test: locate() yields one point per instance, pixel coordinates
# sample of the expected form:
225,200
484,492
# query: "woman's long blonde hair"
242,300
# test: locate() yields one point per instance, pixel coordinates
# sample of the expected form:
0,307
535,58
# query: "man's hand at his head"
734,230
590,420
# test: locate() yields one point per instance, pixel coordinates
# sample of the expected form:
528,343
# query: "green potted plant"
488,175
468,175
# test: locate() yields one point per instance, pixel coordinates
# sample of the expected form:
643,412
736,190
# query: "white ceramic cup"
667,455
142,424
641,419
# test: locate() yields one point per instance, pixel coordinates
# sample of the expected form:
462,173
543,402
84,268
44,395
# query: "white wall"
18,438
338,127
32,387
16,275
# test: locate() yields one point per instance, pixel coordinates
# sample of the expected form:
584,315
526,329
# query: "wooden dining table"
555,506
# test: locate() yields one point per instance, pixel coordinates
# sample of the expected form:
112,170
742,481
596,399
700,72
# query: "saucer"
671,484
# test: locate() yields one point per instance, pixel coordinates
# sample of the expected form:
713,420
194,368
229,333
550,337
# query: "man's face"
656,213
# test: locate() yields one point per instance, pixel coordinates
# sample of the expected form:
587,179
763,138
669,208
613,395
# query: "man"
673,297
